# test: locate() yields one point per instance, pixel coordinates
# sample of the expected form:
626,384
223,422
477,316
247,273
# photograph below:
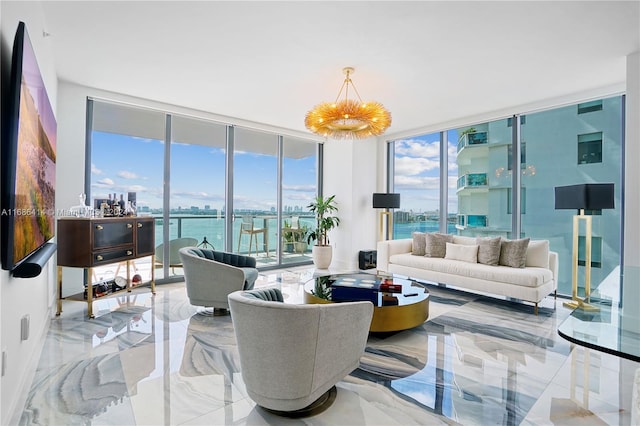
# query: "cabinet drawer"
112,256
113,233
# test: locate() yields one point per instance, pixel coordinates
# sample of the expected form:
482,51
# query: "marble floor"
155,360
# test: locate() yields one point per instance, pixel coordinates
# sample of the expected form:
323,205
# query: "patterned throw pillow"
419,243
489,250
436,244
513,253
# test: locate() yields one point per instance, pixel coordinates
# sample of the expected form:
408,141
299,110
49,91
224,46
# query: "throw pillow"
462,252
513,253
436,244
538,254
467,241
489,250
419,243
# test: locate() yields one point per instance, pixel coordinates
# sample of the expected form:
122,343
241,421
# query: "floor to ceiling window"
416,165
127,160
566,146
202,180
197,184
483,179
580,143
299,187
255,193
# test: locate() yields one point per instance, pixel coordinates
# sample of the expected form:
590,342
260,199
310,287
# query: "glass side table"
610,322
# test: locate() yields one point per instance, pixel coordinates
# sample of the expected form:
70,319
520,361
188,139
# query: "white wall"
350,173
36,296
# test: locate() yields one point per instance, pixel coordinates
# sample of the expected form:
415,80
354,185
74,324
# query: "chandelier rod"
347,80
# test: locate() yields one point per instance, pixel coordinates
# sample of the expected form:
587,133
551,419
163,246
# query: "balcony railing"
472,180
472,221
213,228
473,139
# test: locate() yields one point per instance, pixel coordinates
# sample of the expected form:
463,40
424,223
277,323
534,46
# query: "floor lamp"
588,196
386,201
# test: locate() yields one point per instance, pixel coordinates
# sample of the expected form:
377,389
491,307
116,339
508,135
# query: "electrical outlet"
24,327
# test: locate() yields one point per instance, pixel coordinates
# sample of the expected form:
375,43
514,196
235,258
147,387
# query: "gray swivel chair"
210,275
291,356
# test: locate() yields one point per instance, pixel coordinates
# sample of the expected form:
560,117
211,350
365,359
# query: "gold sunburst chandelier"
348,118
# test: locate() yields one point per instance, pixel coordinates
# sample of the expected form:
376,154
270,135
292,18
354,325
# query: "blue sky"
197,174
417,172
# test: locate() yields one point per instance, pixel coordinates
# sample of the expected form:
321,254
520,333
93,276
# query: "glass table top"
367,287
610,321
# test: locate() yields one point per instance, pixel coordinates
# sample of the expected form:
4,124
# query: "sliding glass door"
207,184
255,193
126,154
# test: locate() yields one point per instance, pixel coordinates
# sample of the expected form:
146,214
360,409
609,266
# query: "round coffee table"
393,311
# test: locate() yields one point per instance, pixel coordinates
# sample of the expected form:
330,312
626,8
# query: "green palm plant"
323,208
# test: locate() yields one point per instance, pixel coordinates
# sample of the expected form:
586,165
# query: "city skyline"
197,174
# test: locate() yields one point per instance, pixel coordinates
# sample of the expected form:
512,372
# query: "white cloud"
95,170
418,148
127,175
105,182
409,166
299,188
416,182
197,195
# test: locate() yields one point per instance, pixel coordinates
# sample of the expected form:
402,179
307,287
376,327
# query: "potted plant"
323,208
300,239
288,237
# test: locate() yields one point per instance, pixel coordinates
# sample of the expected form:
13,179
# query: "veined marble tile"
477,360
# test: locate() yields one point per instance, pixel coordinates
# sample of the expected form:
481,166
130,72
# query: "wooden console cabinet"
91,242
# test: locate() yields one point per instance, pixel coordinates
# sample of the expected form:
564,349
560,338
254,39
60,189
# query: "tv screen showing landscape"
33,145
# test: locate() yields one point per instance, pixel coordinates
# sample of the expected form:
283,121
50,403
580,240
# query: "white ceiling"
428,62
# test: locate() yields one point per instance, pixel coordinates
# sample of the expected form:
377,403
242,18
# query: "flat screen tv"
28,160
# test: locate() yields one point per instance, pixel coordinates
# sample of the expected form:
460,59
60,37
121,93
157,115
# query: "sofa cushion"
462,252
513,253
419,243
489,250
538,254
528,277
436,244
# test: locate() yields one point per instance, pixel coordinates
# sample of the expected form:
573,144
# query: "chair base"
214,312
316,407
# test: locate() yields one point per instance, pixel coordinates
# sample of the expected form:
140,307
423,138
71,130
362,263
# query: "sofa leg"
555,294
535,309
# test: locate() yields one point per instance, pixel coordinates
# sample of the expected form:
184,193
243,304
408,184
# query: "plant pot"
300,246
288,247
322,256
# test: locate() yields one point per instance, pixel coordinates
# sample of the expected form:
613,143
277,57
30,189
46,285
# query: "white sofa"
532,283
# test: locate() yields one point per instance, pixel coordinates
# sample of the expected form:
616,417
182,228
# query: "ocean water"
212,227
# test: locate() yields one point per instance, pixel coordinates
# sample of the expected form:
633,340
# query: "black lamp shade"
386,201
588,196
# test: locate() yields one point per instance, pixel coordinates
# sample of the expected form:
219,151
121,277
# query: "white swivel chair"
291,356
